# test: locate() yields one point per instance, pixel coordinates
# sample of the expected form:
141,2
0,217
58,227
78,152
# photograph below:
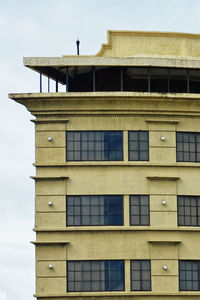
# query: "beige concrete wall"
162,178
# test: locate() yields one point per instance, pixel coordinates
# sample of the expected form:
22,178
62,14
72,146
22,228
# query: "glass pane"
178,81
159,80
135,286
135,79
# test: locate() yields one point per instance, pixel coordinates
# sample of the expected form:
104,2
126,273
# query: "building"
117,170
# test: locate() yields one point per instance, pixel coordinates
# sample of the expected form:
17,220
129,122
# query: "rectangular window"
140,275
94,145
95,276
188,146
94,210
189,279
139,210
138,145
188,210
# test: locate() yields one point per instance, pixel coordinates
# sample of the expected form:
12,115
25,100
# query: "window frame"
109,273
138,141
94,160
196,208
189,152
140,215
122,213
198,272
141,280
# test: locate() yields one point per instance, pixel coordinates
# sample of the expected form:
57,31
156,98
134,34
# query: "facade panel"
117,171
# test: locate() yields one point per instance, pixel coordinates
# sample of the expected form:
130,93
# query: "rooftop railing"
134,79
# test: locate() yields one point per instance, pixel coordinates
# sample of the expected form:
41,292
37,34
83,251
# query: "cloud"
3,295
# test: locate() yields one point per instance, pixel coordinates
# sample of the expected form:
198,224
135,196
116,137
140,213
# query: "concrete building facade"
117,185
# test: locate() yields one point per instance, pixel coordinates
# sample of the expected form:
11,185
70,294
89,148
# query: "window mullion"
140,211
81,211
199,275
81,275
141,287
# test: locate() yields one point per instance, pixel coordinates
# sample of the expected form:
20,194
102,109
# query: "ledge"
116,164
162,121
48,178
116,228
105,95
122,294
49,121
170,178
164,241
49,243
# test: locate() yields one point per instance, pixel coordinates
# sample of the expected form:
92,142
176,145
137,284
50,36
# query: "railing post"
121,79
149,80
93,79
67,79
48,84
40,82
188,81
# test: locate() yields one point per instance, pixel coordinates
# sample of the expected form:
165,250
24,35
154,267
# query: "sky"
51,28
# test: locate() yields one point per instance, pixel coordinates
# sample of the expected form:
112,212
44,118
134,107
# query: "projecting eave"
139,60
57,67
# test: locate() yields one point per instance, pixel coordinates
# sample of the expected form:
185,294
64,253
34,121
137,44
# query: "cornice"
122,114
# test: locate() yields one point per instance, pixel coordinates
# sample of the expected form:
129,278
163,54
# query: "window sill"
116,228
118,163
122,294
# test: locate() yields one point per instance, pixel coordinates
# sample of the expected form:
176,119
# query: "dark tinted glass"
94,210
91,276
178,81
194,81
94,145
135,79
159,80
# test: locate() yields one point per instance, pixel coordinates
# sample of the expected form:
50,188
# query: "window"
94,145
94,210
188,146
91,276
135,79
140,275
189,278
188,210
139,210
138,145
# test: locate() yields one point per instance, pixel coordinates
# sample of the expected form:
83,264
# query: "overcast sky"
50,28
